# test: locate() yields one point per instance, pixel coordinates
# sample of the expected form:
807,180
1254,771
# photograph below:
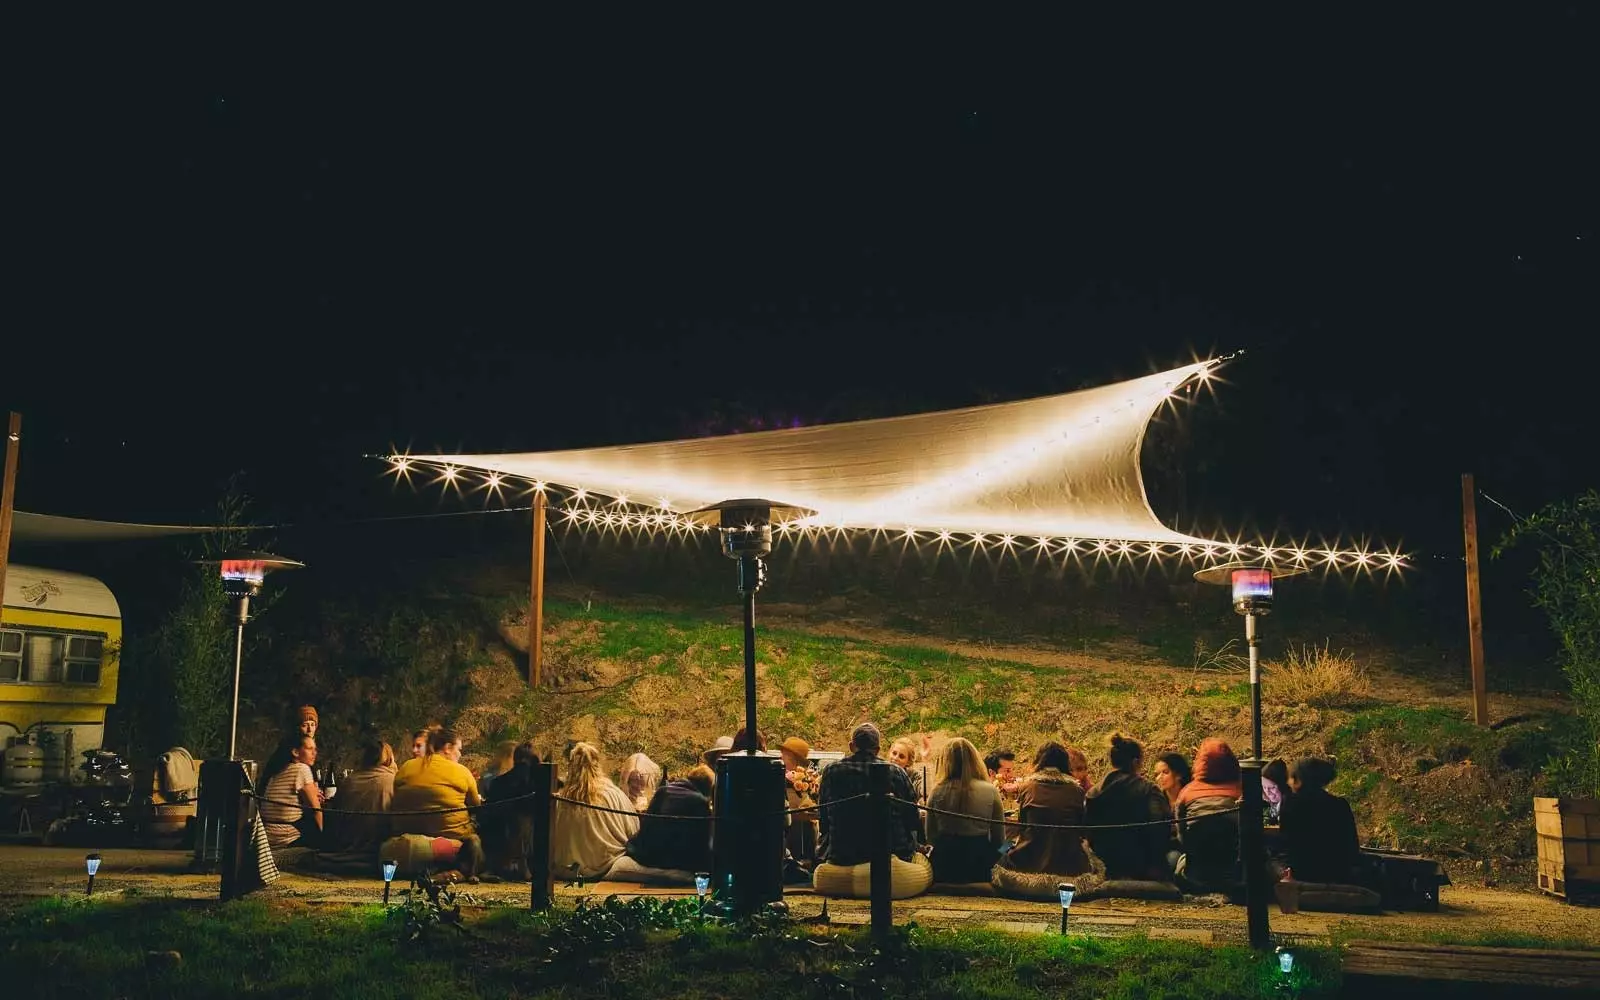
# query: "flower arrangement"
806,780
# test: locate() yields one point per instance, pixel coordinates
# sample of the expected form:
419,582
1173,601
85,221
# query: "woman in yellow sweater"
438,781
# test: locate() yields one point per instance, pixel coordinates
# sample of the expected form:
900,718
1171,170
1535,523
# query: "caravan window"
36,657
10,656
83,659
42,658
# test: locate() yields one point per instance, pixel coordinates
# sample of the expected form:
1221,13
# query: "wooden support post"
878,820
540,871
8,498
536,594
1480,680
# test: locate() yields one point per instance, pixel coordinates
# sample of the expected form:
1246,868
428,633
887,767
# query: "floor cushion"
625,869
906,879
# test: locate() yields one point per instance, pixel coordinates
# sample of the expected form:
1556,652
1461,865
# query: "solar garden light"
388,877
243,572
92,862
1066,890
1285,960
1252,598
750,781
702,885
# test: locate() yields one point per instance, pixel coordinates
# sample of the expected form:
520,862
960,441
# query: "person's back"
674,843
966,824
1319,830
1051,797
845,825
434,782
1129,852
588,840
1208,818
369,790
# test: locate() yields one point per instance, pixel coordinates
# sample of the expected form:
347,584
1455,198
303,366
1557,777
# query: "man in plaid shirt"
845,827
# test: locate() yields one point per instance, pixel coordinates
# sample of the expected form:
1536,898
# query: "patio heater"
243,573
747,841
1252,598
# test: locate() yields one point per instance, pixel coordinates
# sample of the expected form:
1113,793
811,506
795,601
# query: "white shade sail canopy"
1057,466
52,529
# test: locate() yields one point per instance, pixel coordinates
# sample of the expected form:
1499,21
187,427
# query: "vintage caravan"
59,638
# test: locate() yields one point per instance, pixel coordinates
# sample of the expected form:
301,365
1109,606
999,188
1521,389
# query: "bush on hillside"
1319,676
1566,586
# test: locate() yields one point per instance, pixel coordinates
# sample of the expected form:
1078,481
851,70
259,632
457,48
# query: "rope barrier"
390,812
520,798
894,800
1068,826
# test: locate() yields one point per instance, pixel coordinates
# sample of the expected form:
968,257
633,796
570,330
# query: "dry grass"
1320,677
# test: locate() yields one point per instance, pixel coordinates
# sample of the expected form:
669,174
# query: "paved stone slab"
1019,926
1089,918
1182,934
851,919
947,915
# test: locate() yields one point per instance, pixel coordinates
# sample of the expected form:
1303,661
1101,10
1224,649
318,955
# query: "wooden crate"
1569,848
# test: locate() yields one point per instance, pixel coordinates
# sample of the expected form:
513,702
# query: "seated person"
504,759
964,849
845,829
291,802
506,822
1274,788
677,844
639,778
1319,831
1124,796
419,740
1050,795
800,793
1208,820
439,788
903,752
1002,766
368,789
585,842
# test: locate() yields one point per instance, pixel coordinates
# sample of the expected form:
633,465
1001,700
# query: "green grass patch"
99,948
1342,934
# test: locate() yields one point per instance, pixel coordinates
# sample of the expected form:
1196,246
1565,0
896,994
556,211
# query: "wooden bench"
1527,969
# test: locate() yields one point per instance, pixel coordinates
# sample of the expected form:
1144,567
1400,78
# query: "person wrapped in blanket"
1044,854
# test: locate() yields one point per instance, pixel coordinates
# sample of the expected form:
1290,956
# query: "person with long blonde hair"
585,841
967,844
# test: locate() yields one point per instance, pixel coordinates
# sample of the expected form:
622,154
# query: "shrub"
1566,586
1319,676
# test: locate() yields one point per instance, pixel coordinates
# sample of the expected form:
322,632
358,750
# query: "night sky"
276,248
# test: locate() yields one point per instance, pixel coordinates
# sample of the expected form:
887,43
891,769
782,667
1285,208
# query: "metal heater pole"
238,664
1255,686
749,582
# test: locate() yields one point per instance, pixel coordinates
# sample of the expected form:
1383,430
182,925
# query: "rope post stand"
232,800
1252,856
541,894
878,822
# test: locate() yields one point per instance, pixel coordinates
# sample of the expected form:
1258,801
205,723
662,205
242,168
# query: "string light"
587,508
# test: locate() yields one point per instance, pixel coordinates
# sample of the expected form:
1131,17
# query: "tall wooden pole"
536,594
1480,682
8,498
